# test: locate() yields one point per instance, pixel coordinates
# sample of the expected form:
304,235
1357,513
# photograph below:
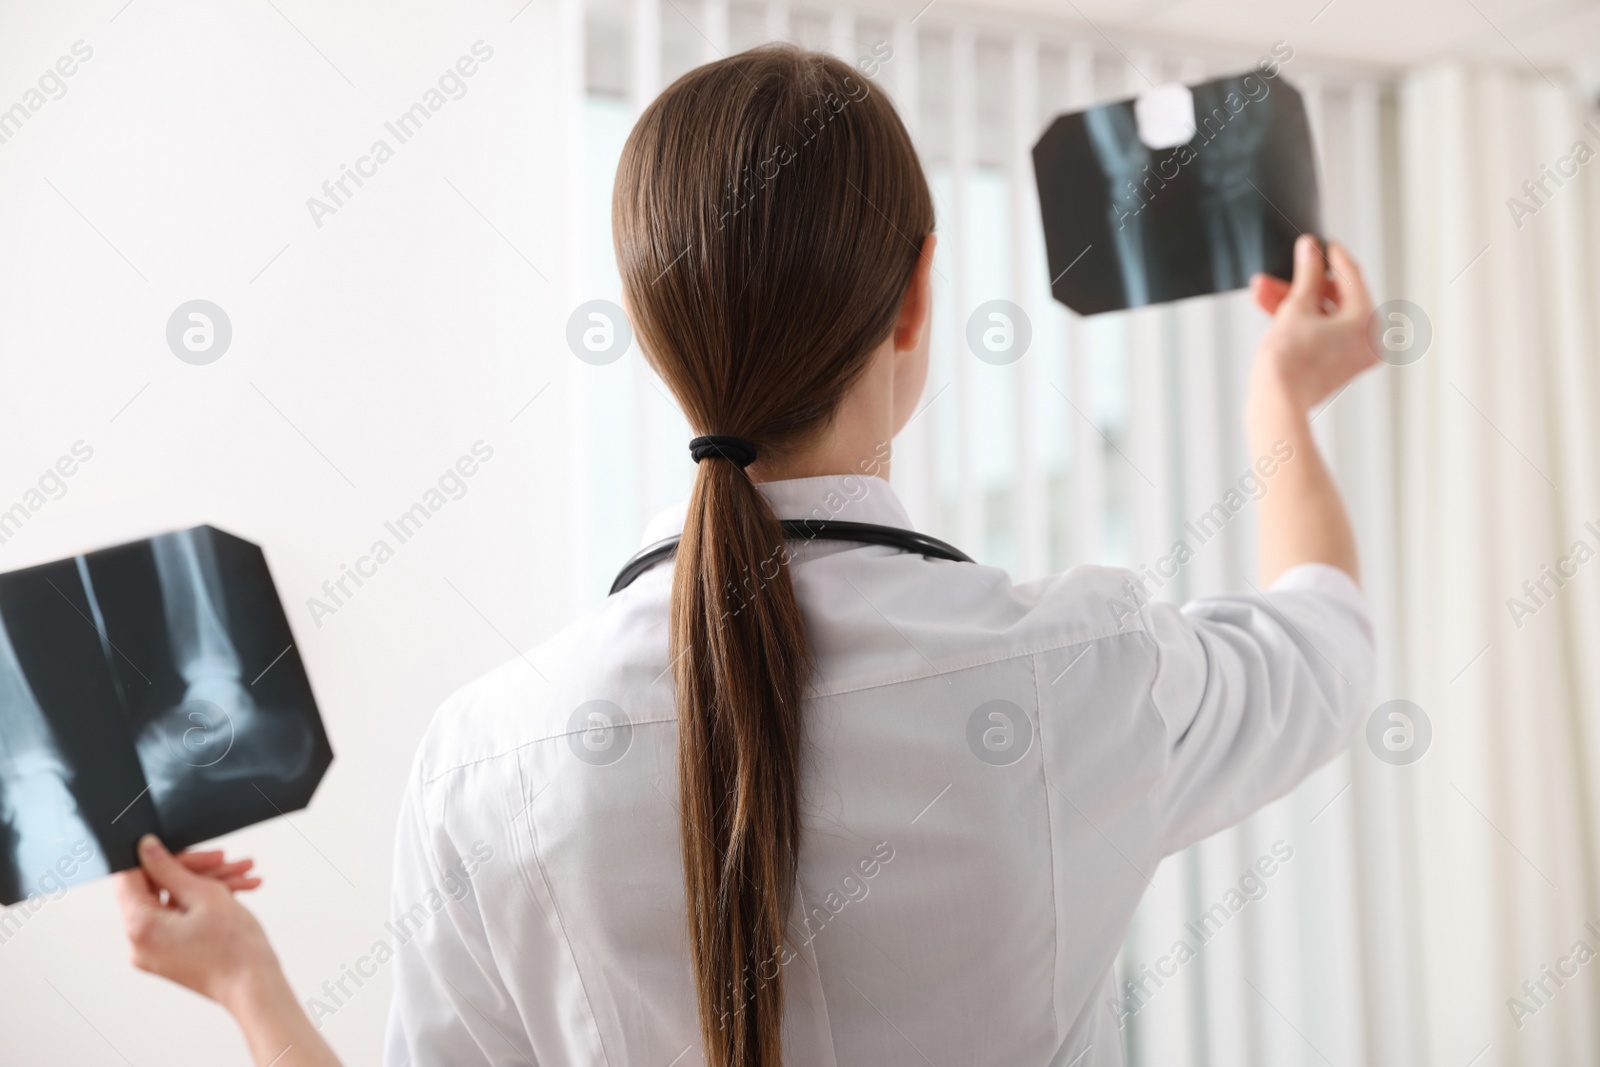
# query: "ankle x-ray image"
1179,192
150,687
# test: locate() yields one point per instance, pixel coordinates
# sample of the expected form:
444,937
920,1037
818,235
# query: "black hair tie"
723,446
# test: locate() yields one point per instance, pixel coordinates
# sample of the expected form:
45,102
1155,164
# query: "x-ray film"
1182,191
153,687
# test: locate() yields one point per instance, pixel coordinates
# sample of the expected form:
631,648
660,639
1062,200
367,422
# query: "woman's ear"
912,324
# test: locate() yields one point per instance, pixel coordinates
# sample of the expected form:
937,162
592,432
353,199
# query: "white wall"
369,355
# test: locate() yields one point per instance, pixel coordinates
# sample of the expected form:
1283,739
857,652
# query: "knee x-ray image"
150,687
1178,193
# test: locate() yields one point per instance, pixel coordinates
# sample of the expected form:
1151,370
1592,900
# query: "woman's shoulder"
532,697
887,617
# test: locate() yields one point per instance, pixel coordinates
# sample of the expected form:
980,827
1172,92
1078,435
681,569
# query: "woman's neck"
856,441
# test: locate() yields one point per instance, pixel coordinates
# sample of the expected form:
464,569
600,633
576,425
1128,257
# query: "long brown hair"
769,213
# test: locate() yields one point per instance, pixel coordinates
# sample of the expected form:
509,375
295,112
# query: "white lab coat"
993,772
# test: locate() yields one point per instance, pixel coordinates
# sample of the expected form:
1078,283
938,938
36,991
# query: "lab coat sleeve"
1256,692
450,1007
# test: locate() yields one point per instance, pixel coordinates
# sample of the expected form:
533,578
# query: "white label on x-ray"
1165,115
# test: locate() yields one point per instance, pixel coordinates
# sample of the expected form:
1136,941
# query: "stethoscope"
865,533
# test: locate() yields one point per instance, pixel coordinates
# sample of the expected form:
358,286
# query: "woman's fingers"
1310,274
1348,283
214,864
165,871
135,894
224,871
1268,292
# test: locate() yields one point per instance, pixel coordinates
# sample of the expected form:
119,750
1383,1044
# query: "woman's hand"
185,925
1317,340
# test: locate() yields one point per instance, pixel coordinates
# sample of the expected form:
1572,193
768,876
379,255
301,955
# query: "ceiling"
1553,36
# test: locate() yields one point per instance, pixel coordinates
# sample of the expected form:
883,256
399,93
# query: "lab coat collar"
850,497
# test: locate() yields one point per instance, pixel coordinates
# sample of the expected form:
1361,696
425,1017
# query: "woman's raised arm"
1316,344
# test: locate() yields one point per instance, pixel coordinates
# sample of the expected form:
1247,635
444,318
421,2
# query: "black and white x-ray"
1179,192
149,687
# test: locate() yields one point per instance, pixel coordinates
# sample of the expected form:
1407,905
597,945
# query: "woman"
811,800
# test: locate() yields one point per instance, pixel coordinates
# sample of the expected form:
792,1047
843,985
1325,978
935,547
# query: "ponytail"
741,661
768,216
